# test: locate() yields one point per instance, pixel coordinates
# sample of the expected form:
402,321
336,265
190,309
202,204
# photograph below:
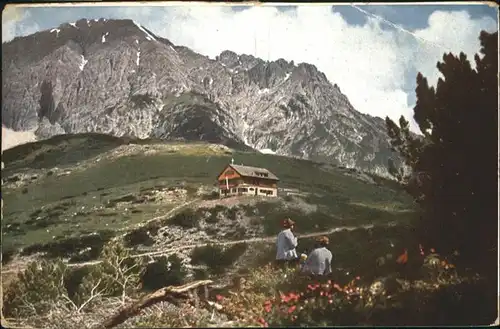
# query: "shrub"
200,274
74,278
232,213
48,285
36,289
183,317
283,297
216,258
213,217
214,195
139,236
8,254
208,255
72,246
187,219
191,191
163,272
234,252
117,275
239,233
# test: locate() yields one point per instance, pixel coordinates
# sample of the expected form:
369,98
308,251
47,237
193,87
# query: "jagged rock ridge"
117,77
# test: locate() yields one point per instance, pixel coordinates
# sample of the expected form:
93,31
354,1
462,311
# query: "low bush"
117,275
186,219
140,236
209,256
163,272
8,254
72,246
216,258
49,286
38,287
73,278
213,216
282,297
214,195
232,213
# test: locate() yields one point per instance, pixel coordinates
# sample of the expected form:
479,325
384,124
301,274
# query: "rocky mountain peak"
119,78
84,35
229,59
307,71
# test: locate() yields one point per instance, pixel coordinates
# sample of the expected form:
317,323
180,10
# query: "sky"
372,52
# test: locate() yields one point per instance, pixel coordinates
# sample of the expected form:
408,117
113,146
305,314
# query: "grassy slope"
342,200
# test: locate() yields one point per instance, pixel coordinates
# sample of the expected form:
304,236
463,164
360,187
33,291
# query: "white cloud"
374,67
457,32
16,21
370,64
10,16
11,138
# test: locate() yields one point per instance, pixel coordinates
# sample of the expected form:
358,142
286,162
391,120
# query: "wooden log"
171,294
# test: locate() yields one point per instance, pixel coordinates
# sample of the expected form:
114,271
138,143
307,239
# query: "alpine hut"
244,180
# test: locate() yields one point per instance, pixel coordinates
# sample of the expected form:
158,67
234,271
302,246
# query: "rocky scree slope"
117,77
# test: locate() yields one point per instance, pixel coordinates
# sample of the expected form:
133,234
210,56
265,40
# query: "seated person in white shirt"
286,243
319,261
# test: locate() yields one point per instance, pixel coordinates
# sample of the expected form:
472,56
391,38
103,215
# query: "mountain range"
119,78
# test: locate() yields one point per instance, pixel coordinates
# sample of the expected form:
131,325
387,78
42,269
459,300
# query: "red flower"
291,309
312,287
357,278
284,298
219,297
293,296
267,308
262,322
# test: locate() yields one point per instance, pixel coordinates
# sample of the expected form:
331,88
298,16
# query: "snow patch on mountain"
103,38
148,36
267,151
83,62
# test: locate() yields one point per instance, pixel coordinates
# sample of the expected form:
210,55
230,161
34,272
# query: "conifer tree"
454,162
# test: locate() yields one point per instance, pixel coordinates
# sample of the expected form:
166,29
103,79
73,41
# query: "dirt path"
169,251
